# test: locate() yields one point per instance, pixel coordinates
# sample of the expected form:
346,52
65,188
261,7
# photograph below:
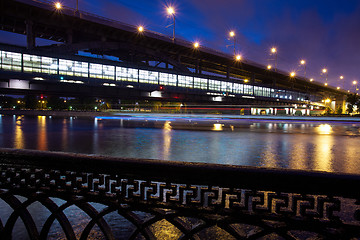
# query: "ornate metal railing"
114,198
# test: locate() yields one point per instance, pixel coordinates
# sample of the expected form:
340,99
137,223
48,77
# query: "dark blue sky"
326,33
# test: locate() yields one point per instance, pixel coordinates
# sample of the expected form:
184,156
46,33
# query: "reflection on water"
19,138
332,147
324,129
323,153
42,138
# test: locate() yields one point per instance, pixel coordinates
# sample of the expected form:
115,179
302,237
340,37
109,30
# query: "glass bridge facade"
114,73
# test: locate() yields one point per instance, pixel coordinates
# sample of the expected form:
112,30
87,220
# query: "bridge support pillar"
340,103
30,37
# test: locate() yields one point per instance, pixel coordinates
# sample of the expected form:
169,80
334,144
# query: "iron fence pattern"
174,200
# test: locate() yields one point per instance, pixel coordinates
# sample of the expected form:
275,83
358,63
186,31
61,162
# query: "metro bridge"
100,57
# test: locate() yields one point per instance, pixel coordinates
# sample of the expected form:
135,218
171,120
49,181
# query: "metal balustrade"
159,199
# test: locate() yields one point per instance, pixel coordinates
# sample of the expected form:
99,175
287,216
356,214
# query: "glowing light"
302,62
170,11
217,127
338,88
273,50
324,129
232,34
196,45
292,74
58,5
311,79
326,84
140,29
238,57
327,100
246,80
341,77
324,70
354,82
167,126
269,67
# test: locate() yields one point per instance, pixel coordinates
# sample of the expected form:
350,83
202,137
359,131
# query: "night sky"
326,33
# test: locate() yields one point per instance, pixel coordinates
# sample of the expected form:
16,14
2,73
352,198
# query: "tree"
353,100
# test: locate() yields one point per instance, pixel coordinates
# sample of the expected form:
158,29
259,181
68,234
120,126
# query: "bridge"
104,58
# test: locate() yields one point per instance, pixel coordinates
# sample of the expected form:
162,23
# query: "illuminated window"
226,87
148,77
248,90
167,79
201,83
95,70
108,72
215,85
185,81
11,61
32,63
238,88
49,65
81,69
66,67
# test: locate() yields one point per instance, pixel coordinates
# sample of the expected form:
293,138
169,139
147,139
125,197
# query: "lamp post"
274,51
325,71
171,12
232,35
303,63
355,84
342,80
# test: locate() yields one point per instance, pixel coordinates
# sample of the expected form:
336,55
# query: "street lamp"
238,57
232,34
303,63
196,45
292,74
311,79
355,84
58,5
171,12
342,78
140,29
325,71
274,51
269,67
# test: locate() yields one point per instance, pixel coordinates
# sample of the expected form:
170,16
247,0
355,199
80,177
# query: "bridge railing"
159,199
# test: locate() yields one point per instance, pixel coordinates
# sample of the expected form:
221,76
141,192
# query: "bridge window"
66,67
49,65
81,69
148,77
226,86
238,88
185,81
215,85
95,70
108,72
168,79
32,63
248,90
201,83
10,61
127,74
258,91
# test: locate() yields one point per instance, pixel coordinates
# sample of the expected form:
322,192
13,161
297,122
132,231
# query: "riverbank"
178,115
